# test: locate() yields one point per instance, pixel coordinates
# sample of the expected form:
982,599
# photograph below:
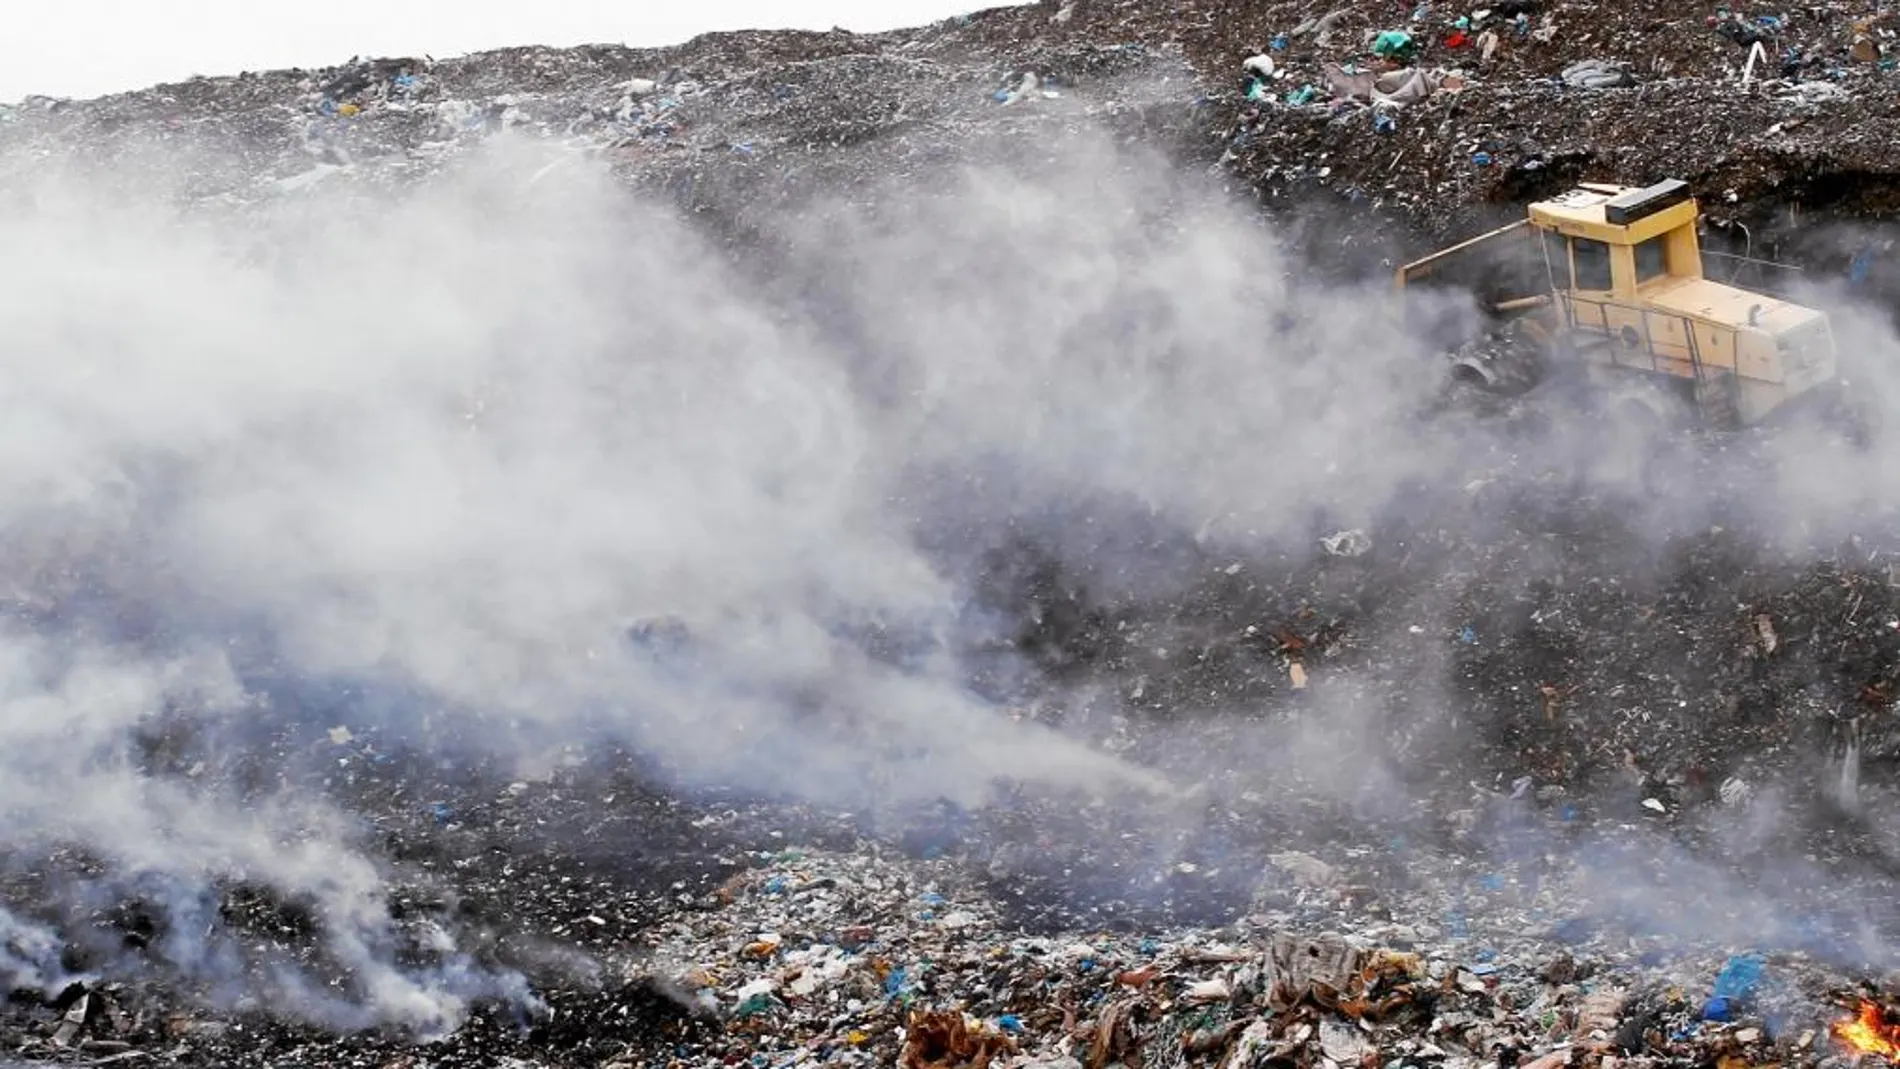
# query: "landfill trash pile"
1626,854
775,935
1427,113
1523,772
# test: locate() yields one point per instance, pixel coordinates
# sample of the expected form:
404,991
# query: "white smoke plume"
461,443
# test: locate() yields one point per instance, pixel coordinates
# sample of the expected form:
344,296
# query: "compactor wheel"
1509,361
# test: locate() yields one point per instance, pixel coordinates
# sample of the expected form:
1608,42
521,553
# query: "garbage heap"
810,956
798,972
1431,112
1627,697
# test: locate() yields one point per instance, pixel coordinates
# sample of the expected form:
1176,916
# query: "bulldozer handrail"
1769,278
1644,313
1604,304
1755,261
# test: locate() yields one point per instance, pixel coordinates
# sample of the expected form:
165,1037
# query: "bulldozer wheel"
1468,374
1510,361
1641,409
1636,414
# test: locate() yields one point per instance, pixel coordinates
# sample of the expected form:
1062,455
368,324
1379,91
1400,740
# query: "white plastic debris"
1342,1042
764,985
1755,55
818,969
1215,990
1597,74
1031,85
1260,65
1352,543
1765,633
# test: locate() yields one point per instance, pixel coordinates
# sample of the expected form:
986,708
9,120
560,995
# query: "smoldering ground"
518,466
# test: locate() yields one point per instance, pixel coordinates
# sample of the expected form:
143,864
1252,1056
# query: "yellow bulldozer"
1607,283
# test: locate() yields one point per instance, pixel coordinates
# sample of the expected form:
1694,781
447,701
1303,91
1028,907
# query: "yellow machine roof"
1586,210
1581,205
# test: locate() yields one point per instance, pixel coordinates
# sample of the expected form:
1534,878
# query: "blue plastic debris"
1485,969
1467,636
443,812
1491,882
932,898
1279,43
754,1005
775,885
1482,159
1385,124
896,983
1010,1023
1149,946
1735,985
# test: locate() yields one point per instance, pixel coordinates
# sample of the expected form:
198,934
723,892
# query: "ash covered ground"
817,548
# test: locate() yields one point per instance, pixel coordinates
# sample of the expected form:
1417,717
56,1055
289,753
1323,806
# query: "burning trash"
1869,1030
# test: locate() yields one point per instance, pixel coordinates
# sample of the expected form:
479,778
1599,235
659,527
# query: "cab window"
1557,256
1592,263
1650,261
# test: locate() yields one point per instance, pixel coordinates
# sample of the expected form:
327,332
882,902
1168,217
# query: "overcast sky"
83,48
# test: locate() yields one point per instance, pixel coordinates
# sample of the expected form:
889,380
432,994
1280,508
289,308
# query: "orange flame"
1869,1032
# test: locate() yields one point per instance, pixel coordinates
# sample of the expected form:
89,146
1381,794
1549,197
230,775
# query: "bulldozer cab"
1600,241
1612,278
